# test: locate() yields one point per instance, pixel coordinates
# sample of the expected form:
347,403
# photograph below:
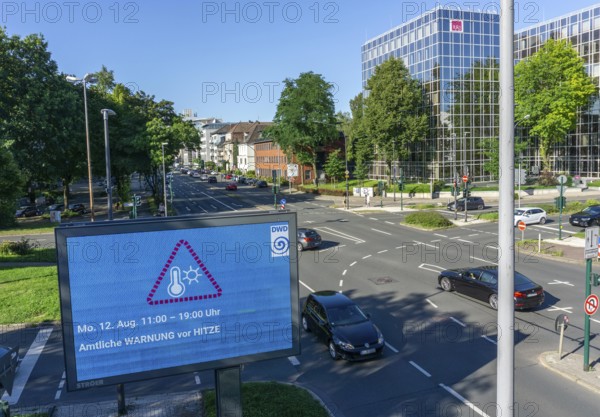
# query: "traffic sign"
292,170
591,304
465,178
521,225
591,242
562,179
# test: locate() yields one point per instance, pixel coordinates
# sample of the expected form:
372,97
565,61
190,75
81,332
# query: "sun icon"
192,275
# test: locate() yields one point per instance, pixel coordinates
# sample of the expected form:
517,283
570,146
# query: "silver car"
530,215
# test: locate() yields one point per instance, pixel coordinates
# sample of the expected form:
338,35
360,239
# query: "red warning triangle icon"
175,285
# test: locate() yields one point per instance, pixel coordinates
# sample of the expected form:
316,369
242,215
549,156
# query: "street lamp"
520,156
164,176
105,114
91,79
346,172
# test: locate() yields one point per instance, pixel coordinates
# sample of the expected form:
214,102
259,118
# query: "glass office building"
579,153
455,55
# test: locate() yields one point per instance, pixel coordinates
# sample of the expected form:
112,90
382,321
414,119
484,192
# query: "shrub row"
427,219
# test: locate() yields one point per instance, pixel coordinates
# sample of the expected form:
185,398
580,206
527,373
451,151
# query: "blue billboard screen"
145,299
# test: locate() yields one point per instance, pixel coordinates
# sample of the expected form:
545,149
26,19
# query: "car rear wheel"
446,284
480,207
543,220
493,301
300,247
305,324
332,352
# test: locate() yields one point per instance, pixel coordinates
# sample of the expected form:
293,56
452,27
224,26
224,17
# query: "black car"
339,323
261,184
212,179
308,239
481,283
590,216
27,211
55,207
77,208
473,203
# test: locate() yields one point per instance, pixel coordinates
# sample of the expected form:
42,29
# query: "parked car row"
31,211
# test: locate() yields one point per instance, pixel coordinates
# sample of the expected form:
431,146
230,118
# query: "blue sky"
228,59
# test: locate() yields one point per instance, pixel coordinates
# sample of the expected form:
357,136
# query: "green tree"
335,165
305,118
394,111
550,86
11,181
360,146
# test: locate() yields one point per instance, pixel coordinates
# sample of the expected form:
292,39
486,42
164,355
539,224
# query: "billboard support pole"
121,407
228,389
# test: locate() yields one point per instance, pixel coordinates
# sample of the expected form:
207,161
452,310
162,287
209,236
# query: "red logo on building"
456,26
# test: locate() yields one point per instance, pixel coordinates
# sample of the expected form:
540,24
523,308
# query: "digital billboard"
156,297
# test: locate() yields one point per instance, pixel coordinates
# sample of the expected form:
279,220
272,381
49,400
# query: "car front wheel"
494,301
480,207
446,284
332,352
305,324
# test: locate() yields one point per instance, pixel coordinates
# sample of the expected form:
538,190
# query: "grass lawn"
27,226
271,399
531,246
29,295
37,255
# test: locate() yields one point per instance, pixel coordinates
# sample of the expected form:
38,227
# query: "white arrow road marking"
567,309
432,268
555,282
340,234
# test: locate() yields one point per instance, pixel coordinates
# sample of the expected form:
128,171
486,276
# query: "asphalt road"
441,347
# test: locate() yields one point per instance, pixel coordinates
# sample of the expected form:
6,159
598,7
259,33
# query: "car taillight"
519,294
308,239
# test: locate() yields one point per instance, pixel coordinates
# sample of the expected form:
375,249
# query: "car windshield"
346,315
519,212
592,210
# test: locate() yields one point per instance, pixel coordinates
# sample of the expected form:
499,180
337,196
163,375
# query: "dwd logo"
280,241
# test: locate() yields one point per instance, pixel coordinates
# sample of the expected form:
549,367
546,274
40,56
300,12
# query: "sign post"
561,324
591,300
465,179
522,226
562,181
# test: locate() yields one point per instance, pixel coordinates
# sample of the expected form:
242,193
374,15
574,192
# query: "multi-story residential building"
246,155
205,126
579,153
269,157
443,49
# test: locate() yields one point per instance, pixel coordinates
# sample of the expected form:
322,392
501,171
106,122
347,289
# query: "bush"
427,219
22,247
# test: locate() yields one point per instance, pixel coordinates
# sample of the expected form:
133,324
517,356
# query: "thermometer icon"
176,287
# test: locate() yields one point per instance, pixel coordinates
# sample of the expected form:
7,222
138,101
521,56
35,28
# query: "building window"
307,174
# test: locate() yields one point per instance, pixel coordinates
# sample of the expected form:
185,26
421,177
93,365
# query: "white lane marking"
27,365
567,309
464,401
388,222
187,208
381,231
341,282
553,229
400,247
472,234
555,282
429,267
197,379
423,371
307,287
435,240
383,251
61,384
392,348
431,302
489,340
437,234
294,360
353,263
373,218
340,234
344,273
220,202
466,241
213,206
597,321
458,322
368,256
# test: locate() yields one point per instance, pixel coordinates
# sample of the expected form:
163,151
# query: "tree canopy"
550,86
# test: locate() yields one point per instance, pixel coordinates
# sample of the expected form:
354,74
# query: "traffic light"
595,279
560,202
137,200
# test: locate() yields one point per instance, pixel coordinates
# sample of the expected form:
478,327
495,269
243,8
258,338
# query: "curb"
566,375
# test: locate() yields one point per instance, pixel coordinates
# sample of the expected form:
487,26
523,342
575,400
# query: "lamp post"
164,176
520,157
346,172
86,78
105,114
394,173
